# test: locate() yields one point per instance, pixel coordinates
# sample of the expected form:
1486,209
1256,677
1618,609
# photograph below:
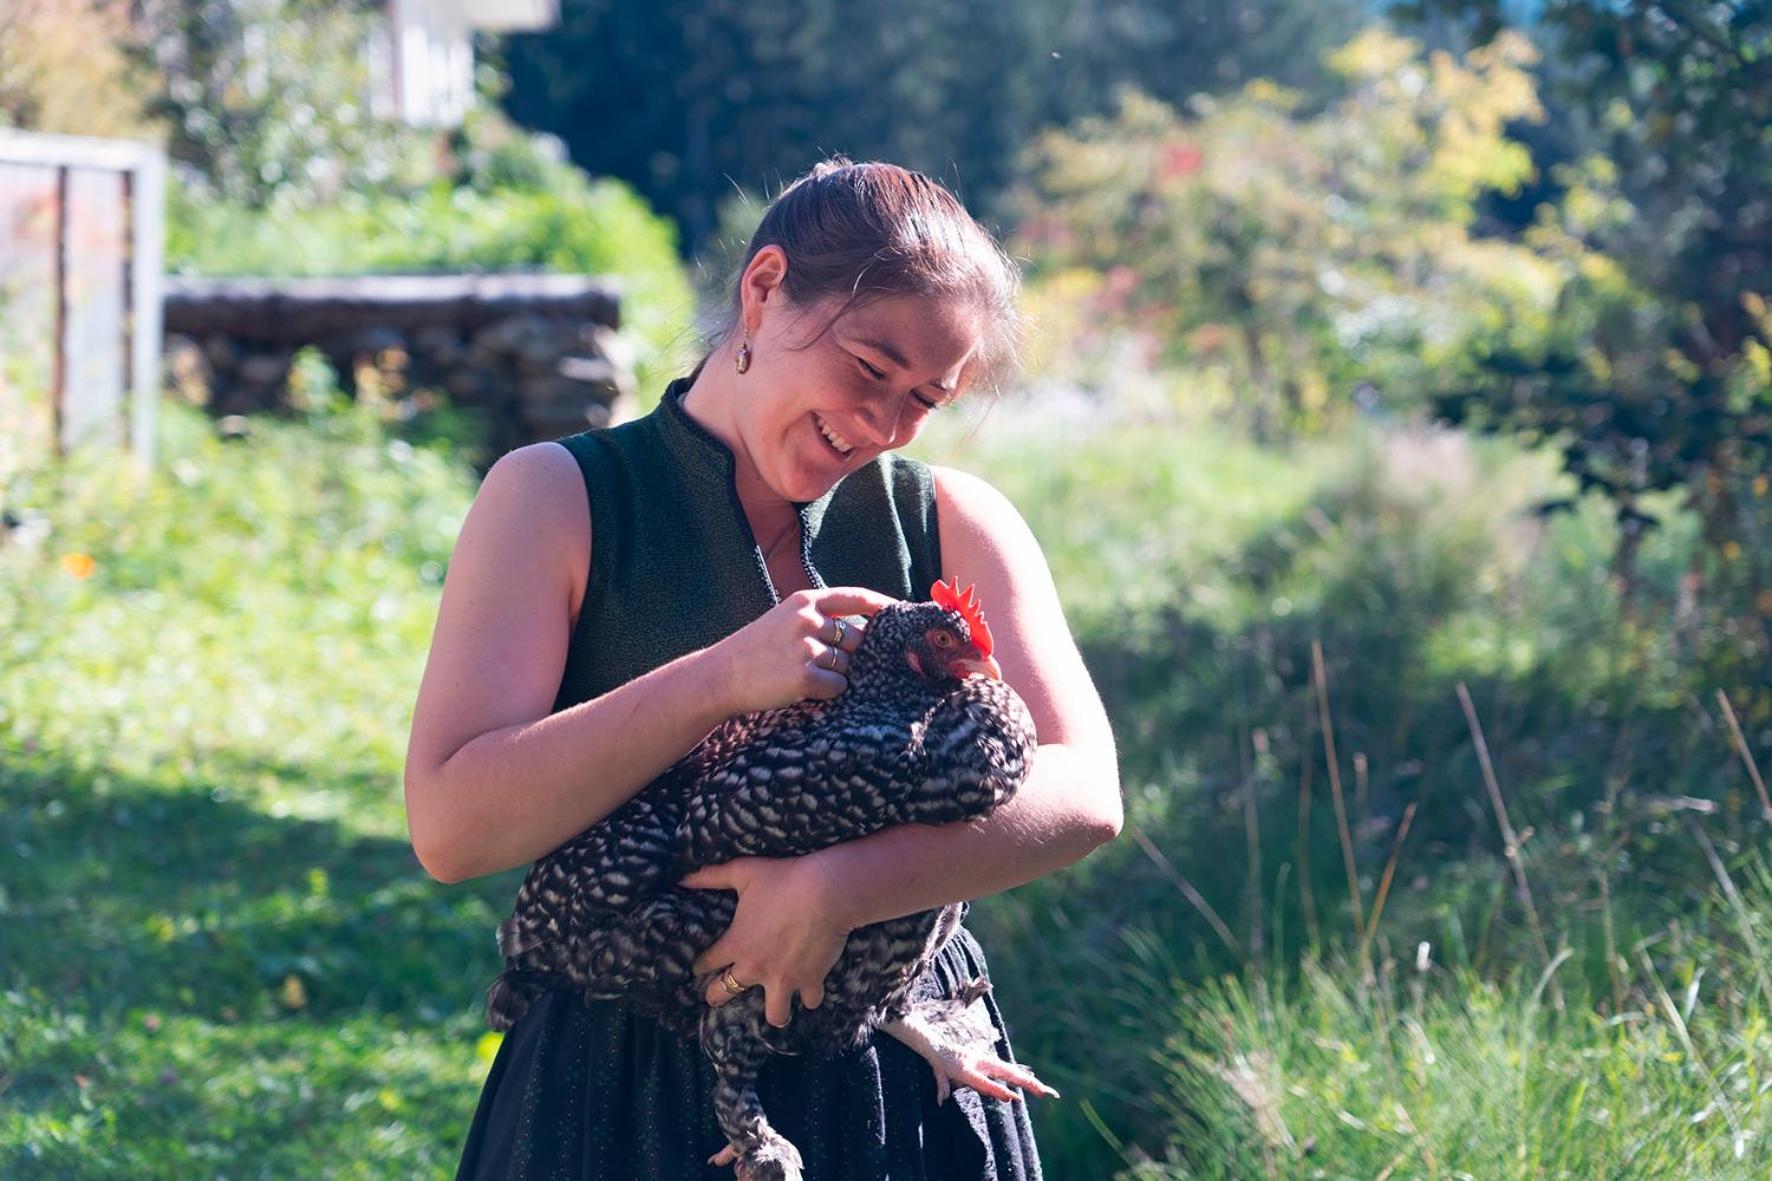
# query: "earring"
742,362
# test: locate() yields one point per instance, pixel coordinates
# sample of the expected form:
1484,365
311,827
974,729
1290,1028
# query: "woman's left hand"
786,933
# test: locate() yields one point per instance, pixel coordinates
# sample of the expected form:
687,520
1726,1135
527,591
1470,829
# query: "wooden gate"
82,222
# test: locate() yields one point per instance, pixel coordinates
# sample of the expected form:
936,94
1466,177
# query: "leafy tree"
716,93
270,98
1296,258
1655,373
64,68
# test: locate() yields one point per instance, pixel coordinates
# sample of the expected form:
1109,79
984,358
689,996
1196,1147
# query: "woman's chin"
813,478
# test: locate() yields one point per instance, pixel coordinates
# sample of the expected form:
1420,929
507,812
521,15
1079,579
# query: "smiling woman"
617,593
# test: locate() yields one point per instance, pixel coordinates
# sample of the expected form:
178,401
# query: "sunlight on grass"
216,945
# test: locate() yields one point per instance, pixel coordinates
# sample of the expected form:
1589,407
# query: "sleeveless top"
593,1092
674,567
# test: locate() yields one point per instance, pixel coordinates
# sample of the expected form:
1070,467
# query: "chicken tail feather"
515,938
511,995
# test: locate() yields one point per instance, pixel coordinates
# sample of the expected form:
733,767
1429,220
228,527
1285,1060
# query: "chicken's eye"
944,639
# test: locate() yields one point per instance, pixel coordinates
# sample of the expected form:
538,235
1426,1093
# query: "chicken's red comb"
966,603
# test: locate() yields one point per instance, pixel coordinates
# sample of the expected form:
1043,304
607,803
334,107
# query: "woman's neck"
712,402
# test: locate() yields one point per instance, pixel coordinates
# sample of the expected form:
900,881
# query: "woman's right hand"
782,656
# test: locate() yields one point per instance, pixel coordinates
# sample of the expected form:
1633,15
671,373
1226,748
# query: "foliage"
1433,1067
1676,98
1197,571
269,98
717,95
1292,257
216,946
1653,368
1603,374
1305,264
217,952
65,69
516,208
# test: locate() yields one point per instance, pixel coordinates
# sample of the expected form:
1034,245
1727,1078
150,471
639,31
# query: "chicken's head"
944,639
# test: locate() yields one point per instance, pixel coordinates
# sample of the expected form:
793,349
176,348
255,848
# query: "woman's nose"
881,422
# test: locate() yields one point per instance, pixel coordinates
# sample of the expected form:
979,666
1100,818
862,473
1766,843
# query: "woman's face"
872,379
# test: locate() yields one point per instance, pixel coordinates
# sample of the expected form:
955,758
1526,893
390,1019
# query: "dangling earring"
742,361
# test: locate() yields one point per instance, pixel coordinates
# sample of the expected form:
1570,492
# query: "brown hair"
872,230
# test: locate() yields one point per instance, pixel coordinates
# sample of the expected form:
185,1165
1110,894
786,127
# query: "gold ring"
731,982
842,630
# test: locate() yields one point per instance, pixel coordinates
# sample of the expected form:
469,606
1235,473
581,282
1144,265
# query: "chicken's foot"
958,1041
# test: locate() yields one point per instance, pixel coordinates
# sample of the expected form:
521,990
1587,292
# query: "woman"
616,594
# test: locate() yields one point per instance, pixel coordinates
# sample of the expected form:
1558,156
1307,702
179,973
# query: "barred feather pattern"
904,742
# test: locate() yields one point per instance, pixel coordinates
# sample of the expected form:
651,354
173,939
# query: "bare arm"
912,867
1069,804
492,779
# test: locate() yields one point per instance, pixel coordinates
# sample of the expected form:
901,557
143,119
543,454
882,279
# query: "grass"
218,956
1436,1072
1202,574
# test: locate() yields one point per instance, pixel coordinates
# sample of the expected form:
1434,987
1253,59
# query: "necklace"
769,550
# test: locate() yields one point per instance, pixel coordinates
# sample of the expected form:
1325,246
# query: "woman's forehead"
912,332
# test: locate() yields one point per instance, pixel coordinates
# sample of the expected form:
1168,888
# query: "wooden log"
301,310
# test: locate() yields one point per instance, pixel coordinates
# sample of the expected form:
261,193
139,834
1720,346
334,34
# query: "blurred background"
1396,425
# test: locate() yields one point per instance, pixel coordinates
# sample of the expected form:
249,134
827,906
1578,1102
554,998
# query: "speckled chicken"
927,731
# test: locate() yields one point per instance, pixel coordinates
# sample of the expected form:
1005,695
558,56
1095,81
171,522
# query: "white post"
147,262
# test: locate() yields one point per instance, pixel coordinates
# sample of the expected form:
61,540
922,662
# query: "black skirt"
589,1091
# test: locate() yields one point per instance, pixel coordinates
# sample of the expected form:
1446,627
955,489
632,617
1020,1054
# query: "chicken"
927,731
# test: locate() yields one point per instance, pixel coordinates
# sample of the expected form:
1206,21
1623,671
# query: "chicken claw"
768,1161
958,1041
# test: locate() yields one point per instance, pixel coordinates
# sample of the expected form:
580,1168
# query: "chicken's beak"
982,666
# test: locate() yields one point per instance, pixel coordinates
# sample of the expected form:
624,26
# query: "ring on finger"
832,666
731,983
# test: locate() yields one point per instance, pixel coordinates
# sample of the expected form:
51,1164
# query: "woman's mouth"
837,443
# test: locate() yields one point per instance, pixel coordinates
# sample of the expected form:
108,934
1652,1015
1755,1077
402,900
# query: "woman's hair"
872,230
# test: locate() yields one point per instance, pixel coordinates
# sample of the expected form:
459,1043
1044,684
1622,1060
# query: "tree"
270,98
1297,257
1655,372
687,98
65,68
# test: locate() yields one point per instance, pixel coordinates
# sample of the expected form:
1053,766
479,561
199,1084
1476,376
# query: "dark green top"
674,566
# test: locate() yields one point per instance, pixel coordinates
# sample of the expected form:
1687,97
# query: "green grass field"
219,957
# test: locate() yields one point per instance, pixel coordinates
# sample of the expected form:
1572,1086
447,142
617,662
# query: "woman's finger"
828,673
778,1006
717,993
850,600
852,633
716,956
708,877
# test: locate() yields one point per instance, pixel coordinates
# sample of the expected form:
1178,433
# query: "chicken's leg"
958,1041
732,1036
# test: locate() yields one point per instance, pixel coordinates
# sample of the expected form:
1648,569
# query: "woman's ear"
761,284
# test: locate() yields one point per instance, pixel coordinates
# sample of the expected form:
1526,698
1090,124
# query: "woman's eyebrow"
884,349
891,354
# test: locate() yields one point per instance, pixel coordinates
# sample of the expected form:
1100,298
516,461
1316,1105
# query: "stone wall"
537,355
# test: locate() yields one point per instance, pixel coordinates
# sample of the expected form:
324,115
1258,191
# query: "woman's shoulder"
537,492
537,478
971,502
